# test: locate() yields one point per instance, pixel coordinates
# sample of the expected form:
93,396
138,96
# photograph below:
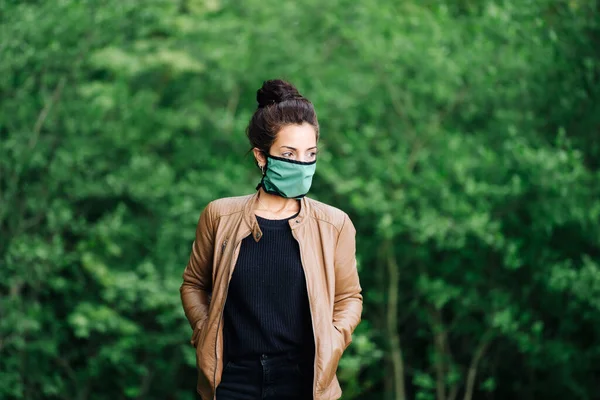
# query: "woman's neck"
273,205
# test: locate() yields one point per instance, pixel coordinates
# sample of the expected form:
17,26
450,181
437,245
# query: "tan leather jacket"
326,238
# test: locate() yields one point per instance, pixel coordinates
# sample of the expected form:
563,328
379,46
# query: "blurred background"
462,137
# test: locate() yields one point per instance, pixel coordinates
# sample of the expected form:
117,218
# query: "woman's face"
293,142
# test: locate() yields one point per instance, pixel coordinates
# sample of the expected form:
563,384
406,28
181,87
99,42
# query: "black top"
267,309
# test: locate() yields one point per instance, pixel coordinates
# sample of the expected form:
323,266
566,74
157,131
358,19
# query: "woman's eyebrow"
293,148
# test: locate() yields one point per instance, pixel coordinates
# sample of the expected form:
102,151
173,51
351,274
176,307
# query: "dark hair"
279,104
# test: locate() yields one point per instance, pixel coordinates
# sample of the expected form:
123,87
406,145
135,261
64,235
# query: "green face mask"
288,178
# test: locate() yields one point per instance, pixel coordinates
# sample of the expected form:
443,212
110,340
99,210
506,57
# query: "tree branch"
484,343
39,123
232,104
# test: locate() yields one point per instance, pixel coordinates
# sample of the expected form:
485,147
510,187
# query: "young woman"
271,288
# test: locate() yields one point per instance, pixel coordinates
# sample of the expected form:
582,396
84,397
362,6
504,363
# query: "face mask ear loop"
263,169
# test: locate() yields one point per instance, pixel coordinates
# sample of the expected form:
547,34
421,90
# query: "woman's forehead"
299,137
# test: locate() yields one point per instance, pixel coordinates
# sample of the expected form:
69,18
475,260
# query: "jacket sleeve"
197,277
347,307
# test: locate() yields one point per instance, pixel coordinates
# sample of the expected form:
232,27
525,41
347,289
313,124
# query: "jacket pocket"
336,350
197,332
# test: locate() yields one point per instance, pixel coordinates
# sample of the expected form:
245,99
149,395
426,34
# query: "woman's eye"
287,154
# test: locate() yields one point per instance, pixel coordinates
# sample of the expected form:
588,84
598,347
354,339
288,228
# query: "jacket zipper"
231,266
312,322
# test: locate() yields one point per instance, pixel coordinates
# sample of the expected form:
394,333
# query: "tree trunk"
439,341
392,325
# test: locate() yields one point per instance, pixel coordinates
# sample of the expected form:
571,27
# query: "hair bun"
275,91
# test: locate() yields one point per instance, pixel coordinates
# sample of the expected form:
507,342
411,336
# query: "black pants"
279,377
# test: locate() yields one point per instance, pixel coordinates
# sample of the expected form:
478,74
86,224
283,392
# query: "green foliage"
461,137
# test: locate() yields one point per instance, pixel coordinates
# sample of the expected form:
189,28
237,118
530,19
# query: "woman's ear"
260,158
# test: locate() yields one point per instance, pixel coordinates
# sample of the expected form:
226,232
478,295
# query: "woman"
271,289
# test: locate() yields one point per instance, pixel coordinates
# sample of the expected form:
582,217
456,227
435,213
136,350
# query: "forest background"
462,137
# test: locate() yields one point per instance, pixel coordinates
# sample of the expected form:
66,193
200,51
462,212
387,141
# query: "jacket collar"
252,223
